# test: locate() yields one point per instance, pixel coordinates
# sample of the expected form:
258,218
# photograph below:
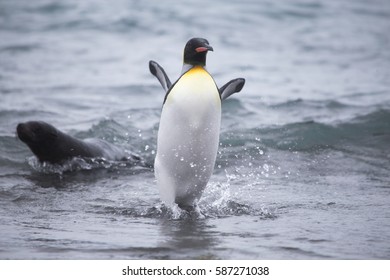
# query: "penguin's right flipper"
231,87
160,74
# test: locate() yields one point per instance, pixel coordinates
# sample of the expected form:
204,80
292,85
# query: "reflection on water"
189,238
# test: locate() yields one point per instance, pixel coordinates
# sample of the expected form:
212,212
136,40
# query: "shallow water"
304,160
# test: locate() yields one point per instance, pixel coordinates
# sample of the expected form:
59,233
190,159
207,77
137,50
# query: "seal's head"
39,137
35,132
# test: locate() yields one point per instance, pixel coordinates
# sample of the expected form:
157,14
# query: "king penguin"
188,135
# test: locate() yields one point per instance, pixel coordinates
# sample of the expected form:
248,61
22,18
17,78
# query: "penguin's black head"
196,50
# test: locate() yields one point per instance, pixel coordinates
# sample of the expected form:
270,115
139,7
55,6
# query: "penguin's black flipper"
231,87
160,74
225,91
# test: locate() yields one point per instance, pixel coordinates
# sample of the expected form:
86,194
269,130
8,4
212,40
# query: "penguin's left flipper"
160,74
231,87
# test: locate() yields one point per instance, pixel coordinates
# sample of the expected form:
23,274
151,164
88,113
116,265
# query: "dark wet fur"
51,145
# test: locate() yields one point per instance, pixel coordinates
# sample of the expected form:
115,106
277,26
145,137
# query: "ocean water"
304,160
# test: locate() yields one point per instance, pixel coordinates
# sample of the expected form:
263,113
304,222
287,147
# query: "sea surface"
303,169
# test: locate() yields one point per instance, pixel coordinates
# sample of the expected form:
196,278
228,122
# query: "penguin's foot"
193,211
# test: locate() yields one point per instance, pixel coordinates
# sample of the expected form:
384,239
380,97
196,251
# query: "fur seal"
54,146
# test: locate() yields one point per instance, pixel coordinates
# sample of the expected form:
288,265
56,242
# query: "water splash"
75,164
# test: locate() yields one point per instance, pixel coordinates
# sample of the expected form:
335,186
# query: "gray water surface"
304,160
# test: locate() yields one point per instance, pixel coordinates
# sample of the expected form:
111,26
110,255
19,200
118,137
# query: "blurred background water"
304,160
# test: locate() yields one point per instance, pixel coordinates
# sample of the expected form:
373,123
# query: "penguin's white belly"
188,138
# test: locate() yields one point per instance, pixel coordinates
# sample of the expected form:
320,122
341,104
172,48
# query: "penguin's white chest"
188,138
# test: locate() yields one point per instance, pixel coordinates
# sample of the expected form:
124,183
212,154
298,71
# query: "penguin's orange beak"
204,49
